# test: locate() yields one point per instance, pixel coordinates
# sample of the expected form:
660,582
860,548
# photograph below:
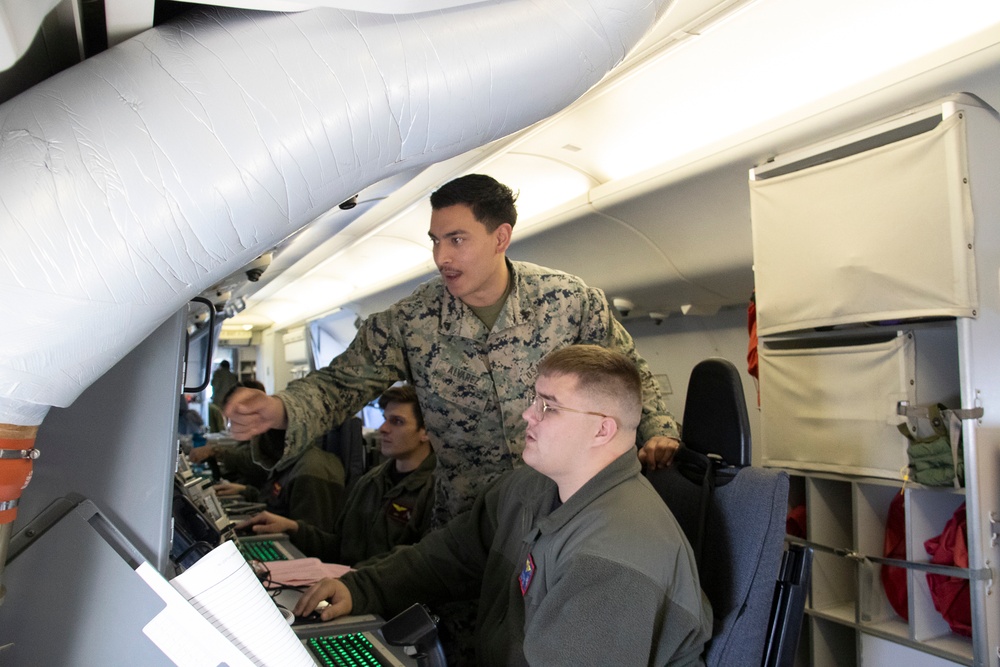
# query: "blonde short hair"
601,373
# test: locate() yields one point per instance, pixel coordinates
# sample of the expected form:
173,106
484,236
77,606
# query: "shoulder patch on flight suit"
398,513
527,574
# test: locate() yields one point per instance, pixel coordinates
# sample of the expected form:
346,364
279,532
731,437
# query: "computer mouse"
314,615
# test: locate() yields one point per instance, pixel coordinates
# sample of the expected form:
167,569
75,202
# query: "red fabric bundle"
894,578
795,522
951,594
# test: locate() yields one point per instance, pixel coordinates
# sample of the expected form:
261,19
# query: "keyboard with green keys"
266,551
349,650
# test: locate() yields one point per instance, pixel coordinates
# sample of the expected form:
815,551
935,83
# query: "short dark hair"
601,372
402,393
492,202
224,363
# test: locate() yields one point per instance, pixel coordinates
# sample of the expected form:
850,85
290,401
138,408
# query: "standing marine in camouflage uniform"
468,341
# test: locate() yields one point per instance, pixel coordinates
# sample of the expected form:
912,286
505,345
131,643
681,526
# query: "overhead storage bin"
833,409
867,294
867,234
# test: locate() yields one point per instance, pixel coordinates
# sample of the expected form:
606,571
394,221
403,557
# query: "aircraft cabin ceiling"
639,187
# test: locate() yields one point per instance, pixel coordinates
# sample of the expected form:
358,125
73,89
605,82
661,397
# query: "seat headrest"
715,413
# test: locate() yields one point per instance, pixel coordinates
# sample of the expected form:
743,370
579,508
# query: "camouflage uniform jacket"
473,383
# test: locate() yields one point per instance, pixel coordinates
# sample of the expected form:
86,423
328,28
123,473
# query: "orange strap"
14,473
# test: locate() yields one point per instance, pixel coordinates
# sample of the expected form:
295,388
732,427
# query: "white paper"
184,635
223,588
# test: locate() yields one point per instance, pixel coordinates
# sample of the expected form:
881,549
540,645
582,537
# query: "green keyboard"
264,550
352,650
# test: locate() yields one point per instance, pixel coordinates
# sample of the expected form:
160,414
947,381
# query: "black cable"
277,588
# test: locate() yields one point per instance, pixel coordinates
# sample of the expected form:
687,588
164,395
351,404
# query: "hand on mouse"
333,593
317,614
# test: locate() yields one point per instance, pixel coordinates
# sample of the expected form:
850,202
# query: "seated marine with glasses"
574,558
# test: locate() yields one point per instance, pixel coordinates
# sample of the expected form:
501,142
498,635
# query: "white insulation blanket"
142,176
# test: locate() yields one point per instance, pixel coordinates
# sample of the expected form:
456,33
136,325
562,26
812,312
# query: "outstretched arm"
252,412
